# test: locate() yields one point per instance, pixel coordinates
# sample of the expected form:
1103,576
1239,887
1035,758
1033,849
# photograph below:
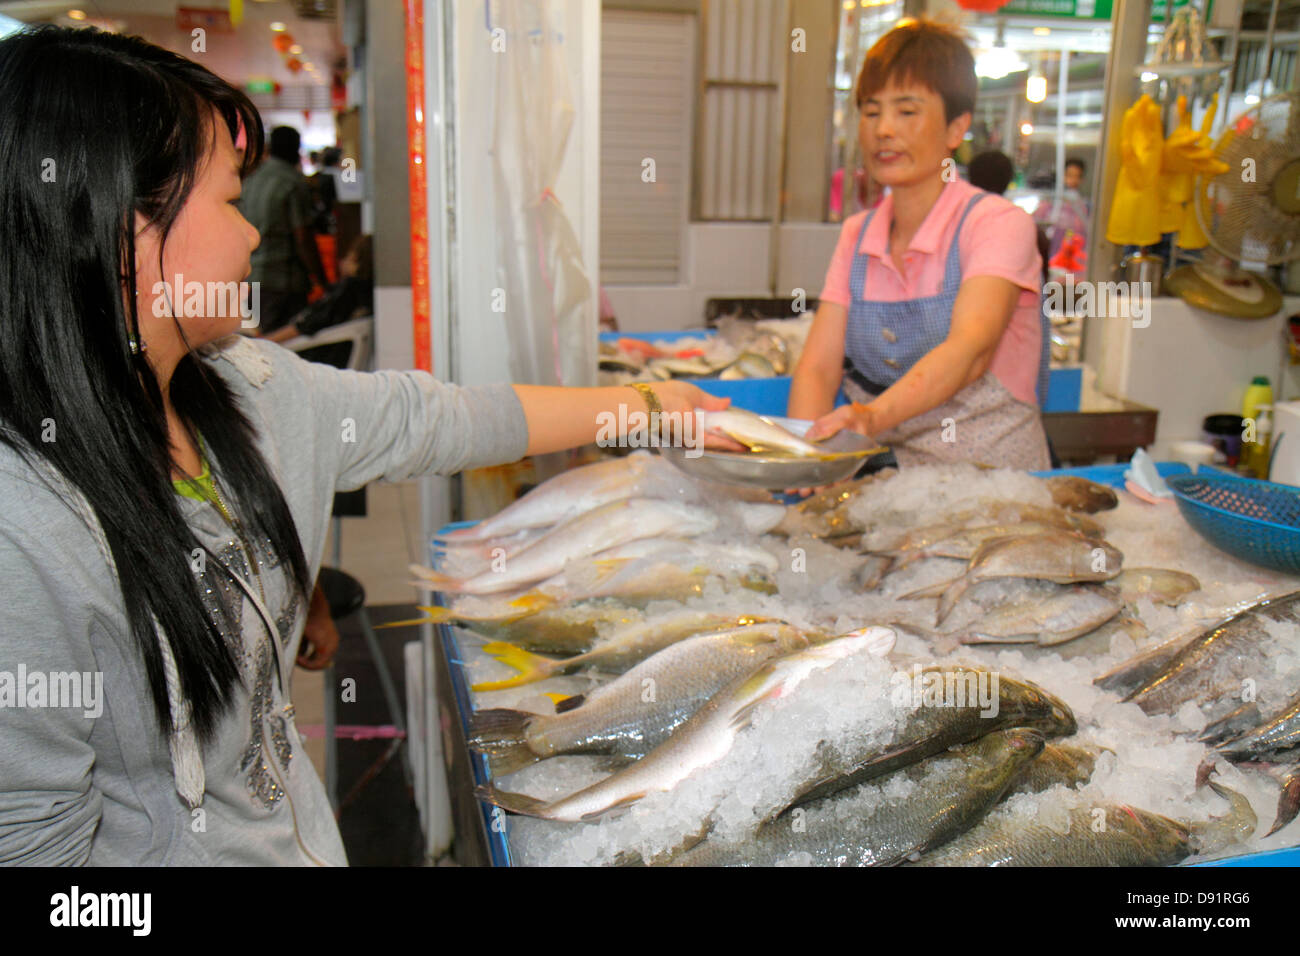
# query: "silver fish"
567,494
615,653
1079,494
1058,765
1148,663
1160,585
1130,837
758,433
1213,664
957,716
1064,616
955,791
704,739
1277,739
611,524
1098,642
636,712
964,544
1061,557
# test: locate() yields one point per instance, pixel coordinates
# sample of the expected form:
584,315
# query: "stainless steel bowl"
778,472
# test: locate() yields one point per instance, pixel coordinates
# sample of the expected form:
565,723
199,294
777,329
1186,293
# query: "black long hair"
95,127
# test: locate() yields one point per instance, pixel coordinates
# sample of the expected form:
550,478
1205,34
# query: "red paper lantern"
293,64
982,6
282,42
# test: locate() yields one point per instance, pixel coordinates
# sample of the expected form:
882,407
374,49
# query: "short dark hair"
1083,167
285,144
991,171
923,52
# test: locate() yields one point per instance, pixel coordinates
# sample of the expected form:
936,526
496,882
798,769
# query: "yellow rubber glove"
1176,176
1135,210
1191,236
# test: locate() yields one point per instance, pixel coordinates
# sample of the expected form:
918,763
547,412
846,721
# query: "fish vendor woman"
934,295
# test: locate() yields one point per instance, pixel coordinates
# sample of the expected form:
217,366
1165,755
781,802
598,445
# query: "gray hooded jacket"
93,782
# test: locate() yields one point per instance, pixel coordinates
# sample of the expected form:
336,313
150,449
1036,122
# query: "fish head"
1006,752
779,677
1023,704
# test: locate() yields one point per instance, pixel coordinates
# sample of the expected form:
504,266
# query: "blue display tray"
771,396
497,840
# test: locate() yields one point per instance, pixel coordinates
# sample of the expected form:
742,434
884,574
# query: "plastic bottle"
1258,393
1262,450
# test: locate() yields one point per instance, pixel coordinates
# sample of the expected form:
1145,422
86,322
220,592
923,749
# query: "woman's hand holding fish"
683,398
855,416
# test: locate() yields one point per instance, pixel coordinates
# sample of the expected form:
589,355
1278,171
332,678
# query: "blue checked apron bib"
983,422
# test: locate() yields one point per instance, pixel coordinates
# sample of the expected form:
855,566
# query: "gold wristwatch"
651,399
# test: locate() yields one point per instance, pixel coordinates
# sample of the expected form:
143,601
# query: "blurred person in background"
992,172
1069,215
352,295
277,202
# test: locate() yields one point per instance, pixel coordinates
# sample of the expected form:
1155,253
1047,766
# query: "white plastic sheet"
549,299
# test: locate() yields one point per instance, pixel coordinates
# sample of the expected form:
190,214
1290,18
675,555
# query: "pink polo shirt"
998,239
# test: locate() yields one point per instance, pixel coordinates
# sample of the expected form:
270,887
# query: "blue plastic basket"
1257,521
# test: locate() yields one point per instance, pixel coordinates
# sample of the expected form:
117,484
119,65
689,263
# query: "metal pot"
1145,268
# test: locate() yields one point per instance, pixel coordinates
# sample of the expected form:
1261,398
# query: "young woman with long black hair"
120,171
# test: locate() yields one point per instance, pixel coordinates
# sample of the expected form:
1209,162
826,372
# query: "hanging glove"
1190,235
1135,210
1180,153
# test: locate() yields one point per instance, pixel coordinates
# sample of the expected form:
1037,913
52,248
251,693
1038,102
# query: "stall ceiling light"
76,14
1042,31
997,62
1036,89
277,26
296,49
1026,129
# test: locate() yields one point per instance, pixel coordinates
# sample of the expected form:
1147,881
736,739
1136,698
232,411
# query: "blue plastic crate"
771,396
1064,389
666,336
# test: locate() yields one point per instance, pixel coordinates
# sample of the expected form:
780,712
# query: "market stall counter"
756,734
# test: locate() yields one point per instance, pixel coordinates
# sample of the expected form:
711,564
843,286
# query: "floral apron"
983,422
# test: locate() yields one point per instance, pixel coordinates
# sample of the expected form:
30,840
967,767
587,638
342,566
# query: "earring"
137,347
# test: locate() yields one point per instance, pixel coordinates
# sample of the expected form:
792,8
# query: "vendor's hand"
855,417
320,638
684,398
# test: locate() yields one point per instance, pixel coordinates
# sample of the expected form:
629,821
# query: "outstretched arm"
560,418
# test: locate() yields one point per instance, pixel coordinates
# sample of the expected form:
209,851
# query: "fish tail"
532,602
531,667
435,615
519,803
933,590
434,580
502,734
1222,731
1288,803
951,595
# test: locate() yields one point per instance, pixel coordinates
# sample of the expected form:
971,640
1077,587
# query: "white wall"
724,260
1190,363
